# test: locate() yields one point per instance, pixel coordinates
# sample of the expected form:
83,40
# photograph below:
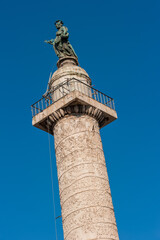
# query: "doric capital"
75,110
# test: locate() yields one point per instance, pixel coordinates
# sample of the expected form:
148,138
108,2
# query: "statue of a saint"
61,45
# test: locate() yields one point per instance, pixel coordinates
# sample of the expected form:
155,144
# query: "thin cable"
52,182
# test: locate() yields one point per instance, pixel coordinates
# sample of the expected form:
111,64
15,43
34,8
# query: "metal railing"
65,88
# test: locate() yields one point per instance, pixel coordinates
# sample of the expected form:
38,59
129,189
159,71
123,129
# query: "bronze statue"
61,45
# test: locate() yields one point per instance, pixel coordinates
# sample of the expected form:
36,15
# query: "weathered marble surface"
87,209
69,71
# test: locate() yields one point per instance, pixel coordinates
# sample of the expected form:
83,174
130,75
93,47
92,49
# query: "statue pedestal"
67,60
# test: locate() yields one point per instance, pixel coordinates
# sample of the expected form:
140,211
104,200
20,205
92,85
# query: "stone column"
87,209
74,118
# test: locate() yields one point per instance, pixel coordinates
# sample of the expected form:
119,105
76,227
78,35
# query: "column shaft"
87,209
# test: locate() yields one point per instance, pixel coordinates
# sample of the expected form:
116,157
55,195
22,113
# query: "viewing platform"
69,94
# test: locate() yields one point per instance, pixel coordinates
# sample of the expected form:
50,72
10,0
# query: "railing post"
42,103
113,104
32,110
107,100
101,97
38,107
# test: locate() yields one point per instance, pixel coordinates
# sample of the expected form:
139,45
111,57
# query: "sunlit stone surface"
74,119
87,210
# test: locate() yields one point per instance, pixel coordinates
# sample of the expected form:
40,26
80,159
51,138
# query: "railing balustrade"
65,88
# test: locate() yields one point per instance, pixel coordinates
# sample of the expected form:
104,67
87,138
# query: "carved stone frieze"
86,202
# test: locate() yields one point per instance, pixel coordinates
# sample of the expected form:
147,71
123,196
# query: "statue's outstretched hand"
50,41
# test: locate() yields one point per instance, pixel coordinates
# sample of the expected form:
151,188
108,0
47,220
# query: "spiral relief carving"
87,209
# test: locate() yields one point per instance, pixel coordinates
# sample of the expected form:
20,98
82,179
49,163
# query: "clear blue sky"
118,44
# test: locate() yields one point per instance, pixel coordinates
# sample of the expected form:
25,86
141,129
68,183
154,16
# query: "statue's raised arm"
61,45
50,41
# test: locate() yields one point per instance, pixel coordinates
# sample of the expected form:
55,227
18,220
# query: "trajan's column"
73,112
